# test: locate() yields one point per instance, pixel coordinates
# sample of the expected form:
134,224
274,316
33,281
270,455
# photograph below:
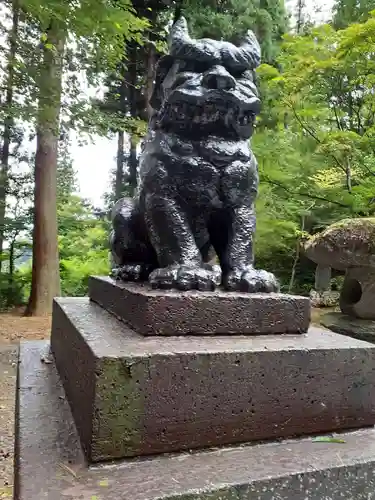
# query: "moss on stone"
348,242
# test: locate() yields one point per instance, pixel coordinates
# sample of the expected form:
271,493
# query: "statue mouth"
209,115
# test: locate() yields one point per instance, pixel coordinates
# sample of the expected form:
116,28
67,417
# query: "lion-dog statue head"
206,86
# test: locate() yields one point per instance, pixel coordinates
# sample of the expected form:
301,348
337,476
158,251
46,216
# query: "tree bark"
348,174
151,57
133,164
299,16
134,113
120,165
10,297
8,122
45,283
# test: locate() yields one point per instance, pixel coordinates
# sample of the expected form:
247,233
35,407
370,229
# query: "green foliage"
82,246
230,20
315,138
347,12
83,251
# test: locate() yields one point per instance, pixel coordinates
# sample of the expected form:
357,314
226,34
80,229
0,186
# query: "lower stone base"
362,329
133,395
50,463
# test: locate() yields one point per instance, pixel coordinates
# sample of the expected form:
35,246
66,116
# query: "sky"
94,162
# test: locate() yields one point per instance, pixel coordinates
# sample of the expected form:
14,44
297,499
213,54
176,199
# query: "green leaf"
328,439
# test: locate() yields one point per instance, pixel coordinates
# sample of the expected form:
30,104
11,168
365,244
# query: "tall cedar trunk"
119,182
299,16
151,57
133,97
10,297
8,122
120,165
45,283
133,164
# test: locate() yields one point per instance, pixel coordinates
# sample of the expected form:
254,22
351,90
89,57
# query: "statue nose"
218,78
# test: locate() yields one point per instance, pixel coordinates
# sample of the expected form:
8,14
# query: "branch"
306,195
315,137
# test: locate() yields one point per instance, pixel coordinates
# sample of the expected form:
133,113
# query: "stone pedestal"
117,393
132,395
171,313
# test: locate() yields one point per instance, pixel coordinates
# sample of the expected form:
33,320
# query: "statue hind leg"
132,253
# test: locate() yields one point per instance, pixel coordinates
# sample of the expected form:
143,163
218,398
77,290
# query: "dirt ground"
13,328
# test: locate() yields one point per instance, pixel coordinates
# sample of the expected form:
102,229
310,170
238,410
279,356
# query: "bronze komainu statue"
198,177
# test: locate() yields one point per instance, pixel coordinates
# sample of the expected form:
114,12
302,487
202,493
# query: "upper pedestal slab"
170,313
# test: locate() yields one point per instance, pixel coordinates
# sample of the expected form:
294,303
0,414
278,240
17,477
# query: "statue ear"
179,30
162,69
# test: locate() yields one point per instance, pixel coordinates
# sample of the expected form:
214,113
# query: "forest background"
78,71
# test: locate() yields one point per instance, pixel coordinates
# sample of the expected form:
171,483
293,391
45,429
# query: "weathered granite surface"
50,463
133,395
155,312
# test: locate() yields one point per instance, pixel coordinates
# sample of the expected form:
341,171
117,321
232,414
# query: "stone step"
49,462
133,395
171,313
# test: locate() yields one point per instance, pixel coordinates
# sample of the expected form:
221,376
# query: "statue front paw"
251,280
131,272
205,278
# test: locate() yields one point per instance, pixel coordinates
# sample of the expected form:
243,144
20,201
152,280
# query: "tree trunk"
348,174
134,112
150,78
10,296
299,16
45,283
8,122
120,165
133,164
